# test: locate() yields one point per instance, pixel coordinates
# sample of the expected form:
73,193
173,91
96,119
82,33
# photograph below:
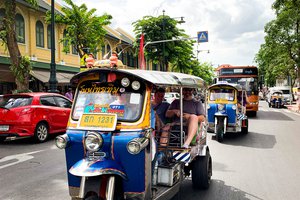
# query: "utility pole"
52,80
164,46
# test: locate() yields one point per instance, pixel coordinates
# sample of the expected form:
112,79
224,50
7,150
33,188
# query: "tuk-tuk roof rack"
157,78
236,86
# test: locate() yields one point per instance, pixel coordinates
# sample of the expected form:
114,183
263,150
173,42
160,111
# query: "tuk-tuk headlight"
234,107
220,107
125,82
61,141
93,141
133,147
136,145
135,85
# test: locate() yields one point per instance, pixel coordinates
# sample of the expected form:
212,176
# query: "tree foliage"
179,54
279,57
83,27
20,65
162,28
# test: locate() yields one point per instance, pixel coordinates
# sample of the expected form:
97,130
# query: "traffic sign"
202,36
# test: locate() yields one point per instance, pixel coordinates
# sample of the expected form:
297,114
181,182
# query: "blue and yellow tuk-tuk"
111,148
226,109
276,99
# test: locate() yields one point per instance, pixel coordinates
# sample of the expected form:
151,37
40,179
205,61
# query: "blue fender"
98,167
221,114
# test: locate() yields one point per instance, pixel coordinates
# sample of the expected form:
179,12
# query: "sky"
235,27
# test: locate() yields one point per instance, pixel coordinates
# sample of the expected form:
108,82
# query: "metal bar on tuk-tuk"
110,189
181,118
82,187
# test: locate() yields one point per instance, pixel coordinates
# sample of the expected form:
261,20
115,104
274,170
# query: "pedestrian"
69,94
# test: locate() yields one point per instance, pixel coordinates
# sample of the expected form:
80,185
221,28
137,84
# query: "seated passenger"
193,113
160,107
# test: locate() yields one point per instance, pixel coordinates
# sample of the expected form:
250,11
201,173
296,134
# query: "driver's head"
159,95
187,92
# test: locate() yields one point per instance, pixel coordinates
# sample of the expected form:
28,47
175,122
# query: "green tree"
164,28
204,70
280,55
20,65
83,27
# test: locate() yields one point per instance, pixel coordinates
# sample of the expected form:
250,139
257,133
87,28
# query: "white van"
287,94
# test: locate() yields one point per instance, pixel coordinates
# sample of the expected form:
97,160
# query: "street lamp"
198,51
52,80
164,41
181,21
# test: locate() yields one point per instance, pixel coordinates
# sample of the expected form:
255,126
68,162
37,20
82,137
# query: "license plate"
4,128
99,121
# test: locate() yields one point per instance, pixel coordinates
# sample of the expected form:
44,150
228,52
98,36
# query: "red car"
33,114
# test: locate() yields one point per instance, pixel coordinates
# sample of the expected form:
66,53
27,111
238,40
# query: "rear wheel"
41,132
202,171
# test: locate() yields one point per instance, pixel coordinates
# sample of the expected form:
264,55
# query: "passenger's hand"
177,113
186,116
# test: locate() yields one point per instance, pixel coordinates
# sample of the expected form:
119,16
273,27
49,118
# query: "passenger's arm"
173,110
172,113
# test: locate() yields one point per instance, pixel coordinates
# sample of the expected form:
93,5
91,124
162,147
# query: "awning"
44,76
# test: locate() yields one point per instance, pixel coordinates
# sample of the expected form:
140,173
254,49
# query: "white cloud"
235,27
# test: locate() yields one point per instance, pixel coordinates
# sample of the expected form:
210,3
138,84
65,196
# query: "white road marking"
18,157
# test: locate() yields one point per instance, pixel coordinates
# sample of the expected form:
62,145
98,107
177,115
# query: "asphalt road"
264,164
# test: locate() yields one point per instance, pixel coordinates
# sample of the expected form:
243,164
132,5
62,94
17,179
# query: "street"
264,164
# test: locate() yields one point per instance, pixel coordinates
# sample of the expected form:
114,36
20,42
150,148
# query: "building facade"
34,40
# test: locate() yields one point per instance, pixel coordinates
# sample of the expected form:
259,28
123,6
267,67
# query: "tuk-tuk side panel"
211,112
133,165
230,113
74,152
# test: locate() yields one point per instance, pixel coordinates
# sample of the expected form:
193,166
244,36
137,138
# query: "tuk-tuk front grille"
95,155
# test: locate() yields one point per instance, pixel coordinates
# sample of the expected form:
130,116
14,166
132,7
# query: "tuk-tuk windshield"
225,94
95,97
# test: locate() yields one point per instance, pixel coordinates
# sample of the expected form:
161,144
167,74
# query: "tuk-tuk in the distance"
275,99
226,108
110,147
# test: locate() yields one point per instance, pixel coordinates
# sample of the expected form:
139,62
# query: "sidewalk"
293,108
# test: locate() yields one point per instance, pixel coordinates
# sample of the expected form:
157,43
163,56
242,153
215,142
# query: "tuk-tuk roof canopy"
158,78
233,85
276,91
